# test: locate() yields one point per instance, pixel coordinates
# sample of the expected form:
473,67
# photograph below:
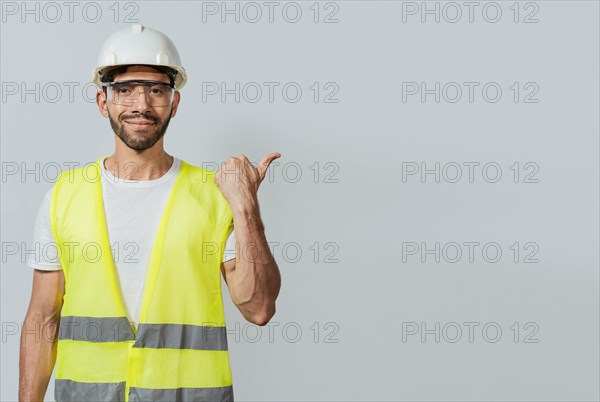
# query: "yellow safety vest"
179,351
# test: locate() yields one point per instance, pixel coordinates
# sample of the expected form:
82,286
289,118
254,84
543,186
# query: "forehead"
141,73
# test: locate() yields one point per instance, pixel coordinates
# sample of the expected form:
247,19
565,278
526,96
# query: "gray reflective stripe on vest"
181,336
73,391
218,394
95,329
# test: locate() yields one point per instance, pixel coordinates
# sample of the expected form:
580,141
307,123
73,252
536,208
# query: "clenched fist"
239,180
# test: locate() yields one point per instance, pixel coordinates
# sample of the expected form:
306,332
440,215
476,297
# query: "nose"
142,102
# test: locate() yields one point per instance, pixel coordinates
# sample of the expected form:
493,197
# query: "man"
140,316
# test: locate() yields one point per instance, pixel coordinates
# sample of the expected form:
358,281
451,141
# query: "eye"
157,90
121,89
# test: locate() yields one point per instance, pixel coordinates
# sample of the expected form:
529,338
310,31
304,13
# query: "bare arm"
39,335
254,282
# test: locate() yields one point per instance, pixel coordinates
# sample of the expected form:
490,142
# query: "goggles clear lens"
157,93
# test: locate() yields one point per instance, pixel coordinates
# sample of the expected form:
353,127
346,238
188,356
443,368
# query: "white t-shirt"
133,210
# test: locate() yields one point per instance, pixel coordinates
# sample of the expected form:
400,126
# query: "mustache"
138,116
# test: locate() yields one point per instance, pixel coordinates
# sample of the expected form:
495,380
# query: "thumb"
263,166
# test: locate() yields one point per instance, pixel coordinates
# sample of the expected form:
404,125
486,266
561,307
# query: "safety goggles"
127,92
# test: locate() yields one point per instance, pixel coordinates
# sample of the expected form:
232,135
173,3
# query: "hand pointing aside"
239,180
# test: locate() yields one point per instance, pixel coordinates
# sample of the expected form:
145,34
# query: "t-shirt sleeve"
43,253
230,245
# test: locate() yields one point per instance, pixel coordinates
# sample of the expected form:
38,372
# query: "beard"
140,140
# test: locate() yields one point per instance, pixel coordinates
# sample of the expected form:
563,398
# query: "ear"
176,99
102,104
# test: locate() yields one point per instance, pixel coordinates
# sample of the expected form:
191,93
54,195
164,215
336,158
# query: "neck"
147,165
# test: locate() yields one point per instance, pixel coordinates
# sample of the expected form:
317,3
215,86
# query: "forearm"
37,356
256,278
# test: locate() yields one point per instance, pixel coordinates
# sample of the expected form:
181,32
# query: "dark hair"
109,74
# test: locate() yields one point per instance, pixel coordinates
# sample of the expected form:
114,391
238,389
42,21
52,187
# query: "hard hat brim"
179,79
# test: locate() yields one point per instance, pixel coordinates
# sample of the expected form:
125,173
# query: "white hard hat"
139,45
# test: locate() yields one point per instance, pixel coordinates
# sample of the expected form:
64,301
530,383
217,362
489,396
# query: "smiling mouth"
139,124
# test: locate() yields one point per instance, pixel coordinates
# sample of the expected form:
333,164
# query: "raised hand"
239,180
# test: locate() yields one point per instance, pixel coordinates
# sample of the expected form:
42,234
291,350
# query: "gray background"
369,293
